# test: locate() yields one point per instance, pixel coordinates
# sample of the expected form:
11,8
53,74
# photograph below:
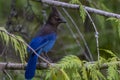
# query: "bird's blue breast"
45,42
49,46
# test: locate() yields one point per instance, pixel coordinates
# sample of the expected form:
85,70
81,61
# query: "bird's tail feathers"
31,66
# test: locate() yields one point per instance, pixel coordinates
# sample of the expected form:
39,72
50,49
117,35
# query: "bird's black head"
55,18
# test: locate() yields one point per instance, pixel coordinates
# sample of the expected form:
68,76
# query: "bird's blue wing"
38,43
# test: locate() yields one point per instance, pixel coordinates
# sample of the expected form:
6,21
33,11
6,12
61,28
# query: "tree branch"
20,66
75,6
41,66
13,36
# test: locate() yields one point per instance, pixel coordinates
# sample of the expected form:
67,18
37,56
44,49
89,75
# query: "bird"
43,41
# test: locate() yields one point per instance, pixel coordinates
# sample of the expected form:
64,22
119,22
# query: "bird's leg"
47,57
44,55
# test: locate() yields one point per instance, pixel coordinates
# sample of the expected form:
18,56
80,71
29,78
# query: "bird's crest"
55,17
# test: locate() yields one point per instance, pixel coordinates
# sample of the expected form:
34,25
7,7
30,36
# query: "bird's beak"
63,20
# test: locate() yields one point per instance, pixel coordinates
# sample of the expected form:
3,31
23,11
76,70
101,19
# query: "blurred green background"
26,17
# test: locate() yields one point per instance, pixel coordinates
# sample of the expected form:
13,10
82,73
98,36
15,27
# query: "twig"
96,33
75,6
29,6
44,13
27,46
80,34
10,78
3,51
77,41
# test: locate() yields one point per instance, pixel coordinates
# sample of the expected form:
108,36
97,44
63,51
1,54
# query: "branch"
20,66
96,33
13,36
75,6
80,34
41,66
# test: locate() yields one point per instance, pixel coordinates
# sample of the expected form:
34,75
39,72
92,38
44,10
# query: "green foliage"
17,45
113,73
81,9
71,65
94,72
72,60
82,12
65,69
110,52
75,1
72,68
56,74
116,23
109,38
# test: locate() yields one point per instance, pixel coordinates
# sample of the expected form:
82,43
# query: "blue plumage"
39,44
43,42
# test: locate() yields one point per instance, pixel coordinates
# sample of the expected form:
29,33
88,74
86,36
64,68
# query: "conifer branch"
20,66
75,6
41,66
19,40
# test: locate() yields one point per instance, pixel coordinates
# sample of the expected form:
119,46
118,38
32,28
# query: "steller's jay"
43,41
